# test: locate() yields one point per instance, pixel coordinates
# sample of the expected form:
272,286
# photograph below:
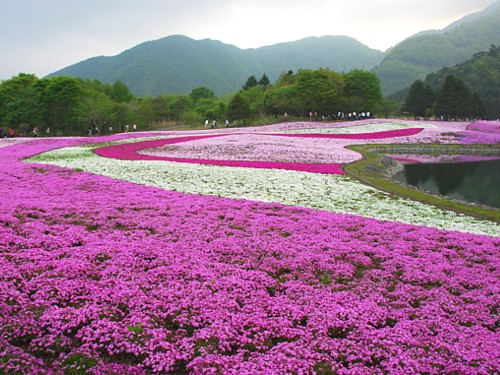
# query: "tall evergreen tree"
251,82
238,108
454,100
264,80
419,98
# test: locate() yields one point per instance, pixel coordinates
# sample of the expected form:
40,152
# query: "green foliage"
210,108
455,101
388,108
362,90
121,93
78,364
481,75
285,79
60,97
280,100
251,82
137,330
419,99
20,101
96,109
264,80
70,106
201,93
238,108
318,91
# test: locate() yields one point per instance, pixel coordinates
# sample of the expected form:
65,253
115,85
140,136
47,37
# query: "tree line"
453,101
69,106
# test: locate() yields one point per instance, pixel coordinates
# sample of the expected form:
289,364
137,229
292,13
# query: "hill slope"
430,51
481,74
178,64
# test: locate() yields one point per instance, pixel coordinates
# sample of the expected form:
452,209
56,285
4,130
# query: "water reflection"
477,182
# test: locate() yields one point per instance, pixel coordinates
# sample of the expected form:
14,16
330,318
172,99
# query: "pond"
473,182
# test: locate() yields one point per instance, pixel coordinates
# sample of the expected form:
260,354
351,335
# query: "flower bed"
330,192
104,276
485,126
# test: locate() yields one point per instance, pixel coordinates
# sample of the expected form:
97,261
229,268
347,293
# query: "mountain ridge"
178,63
428,51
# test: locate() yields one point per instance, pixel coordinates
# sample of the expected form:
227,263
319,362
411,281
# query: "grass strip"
376,170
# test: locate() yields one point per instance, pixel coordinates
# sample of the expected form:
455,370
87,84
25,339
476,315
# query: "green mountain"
481,74
178,64
429,51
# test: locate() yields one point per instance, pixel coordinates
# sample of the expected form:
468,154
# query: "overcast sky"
43,36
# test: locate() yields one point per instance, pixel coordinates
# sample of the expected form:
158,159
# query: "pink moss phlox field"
117,278
485,126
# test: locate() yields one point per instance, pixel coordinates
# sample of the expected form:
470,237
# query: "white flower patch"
259,147
5,142
334,193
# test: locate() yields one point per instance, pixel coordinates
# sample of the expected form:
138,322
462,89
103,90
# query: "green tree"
264,81
478,106
201,93
254,97
251,82
120,93
286,79
387,108
238,108
209,108
179,105
60,99
419,99
318,90
96,109
20,102
362,91
454,100
281,99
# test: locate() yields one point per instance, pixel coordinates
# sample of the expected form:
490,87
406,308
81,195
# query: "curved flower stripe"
358,136
129,152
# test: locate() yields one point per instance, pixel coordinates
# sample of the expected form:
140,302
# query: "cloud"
43,36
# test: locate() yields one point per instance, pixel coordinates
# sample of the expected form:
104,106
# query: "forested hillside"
481,74
430,51
178,64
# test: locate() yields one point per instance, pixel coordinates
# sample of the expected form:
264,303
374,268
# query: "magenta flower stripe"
129,152
360,136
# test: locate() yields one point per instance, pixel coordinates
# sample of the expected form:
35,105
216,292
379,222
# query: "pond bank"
376,169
